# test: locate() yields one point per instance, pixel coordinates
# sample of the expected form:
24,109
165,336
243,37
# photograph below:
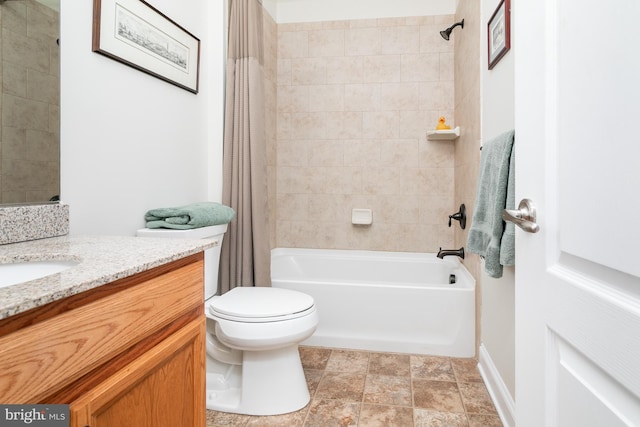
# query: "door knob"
524,217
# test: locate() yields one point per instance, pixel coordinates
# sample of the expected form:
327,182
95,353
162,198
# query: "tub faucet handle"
460,216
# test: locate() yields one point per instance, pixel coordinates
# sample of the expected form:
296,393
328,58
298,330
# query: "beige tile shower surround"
354,101
371,389
467,148
317,175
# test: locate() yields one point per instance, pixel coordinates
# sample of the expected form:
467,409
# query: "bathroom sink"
19,272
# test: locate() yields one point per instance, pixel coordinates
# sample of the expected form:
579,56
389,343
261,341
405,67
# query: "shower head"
446,33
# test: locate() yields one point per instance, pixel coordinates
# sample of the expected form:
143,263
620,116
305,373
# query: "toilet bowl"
253,364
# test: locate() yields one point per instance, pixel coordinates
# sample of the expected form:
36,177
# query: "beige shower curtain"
245,258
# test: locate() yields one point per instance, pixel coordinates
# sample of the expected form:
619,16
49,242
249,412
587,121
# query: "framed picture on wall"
135,33
499,33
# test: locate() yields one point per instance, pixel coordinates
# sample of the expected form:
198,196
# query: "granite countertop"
102,259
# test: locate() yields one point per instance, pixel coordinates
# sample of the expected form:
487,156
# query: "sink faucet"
446,252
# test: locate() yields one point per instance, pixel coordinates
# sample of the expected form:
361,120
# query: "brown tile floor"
370,389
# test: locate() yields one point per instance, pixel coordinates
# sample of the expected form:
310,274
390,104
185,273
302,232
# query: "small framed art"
135,33
499,33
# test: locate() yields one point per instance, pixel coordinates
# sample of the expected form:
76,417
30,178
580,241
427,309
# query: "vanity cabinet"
128,353
142,393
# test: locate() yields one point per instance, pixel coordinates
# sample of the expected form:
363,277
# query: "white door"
577,71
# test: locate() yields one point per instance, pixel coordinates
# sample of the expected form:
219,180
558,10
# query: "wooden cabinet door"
164,387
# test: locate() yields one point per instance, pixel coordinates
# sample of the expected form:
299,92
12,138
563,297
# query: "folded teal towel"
487,227
195,215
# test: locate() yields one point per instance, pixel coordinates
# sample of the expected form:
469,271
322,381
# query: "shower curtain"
245,258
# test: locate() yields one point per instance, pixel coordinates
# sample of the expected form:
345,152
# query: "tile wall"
29,138
354,102
270,40
467,109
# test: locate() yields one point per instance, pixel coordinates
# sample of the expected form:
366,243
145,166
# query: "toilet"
253,364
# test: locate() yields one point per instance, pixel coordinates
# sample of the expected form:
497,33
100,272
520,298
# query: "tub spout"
446,252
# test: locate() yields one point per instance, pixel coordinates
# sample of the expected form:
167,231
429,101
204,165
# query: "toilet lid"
260,303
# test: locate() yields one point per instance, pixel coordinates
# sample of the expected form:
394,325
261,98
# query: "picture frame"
499,33
135,33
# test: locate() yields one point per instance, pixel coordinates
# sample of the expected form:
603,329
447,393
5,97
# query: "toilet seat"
260,305
262,319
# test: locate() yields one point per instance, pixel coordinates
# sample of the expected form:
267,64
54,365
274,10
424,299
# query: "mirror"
30,101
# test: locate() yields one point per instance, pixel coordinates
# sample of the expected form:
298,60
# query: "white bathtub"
383,301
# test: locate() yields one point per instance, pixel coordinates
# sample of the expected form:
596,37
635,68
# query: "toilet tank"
211,255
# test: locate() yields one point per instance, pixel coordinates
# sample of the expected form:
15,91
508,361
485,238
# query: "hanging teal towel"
487,235
508,242
195,215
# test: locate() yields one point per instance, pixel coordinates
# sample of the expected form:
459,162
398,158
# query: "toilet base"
268,382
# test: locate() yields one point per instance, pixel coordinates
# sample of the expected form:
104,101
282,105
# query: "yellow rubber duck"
441,125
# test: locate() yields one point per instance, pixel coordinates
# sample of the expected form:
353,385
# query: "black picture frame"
135,33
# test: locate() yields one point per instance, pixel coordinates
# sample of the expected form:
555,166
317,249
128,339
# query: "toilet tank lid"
194,233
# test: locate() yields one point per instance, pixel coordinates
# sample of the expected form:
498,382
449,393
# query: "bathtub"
383,301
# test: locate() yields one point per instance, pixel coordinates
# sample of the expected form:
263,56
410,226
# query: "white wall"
271,6
498,295
129,141
335,10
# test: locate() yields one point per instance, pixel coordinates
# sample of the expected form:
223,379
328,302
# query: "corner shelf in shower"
443,135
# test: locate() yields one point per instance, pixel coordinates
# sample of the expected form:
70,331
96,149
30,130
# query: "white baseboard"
497,388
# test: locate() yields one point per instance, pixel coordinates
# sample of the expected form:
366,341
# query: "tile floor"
371,389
